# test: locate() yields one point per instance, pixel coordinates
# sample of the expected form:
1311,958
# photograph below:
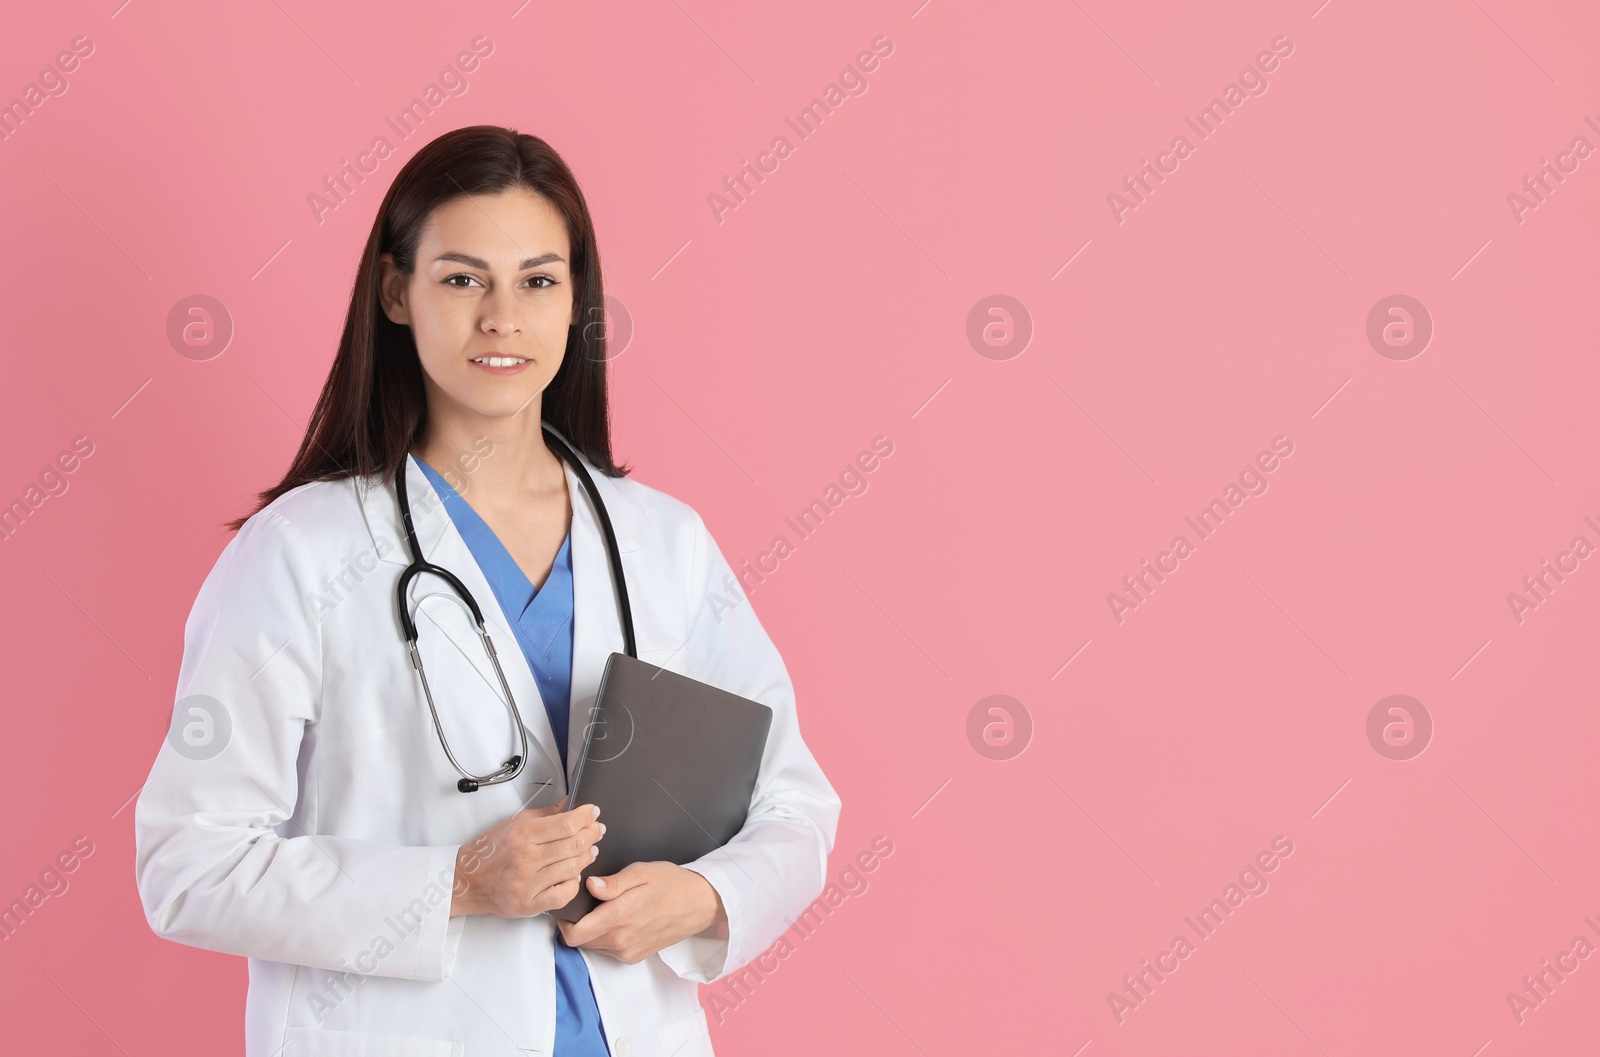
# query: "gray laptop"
671,761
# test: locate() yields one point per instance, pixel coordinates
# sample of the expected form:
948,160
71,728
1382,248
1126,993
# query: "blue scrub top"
542,620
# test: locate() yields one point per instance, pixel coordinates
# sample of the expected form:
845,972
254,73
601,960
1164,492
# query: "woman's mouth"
500,364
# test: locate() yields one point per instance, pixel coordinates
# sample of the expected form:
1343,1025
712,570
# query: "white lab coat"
312,825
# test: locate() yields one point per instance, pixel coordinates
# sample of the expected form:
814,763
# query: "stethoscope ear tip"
510,770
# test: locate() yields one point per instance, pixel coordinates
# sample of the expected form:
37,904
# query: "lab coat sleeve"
776,865
221,859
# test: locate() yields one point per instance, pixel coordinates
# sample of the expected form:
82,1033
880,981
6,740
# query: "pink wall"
1169,346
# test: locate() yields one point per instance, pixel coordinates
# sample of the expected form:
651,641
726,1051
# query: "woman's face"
488,304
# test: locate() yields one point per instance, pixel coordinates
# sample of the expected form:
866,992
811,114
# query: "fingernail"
593,850
599,882
596,810
602,829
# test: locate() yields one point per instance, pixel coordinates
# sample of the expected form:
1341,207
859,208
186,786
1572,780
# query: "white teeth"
499,361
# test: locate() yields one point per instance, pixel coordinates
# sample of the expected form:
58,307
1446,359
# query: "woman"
304,812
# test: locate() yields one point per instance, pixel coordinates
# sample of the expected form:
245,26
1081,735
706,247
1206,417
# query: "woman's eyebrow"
479,262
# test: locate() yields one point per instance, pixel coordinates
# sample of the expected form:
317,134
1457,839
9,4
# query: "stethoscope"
512,767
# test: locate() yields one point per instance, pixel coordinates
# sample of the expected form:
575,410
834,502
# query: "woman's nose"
501,313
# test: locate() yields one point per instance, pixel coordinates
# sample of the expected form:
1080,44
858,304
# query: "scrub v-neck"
540,617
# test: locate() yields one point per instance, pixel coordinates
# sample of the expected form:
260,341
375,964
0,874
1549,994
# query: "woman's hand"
527,864
644,908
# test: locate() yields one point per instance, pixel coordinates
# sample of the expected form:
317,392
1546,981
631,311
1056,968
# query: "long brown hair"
373,402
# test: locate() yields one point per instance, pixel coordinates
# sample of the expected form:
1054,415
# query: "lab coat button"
622,1047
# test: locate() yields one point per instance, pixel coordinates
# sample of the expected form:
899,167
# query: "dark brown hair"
373,402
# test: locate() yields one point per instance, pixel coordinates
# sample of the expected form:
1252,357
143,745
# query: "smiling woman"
491,329
334,806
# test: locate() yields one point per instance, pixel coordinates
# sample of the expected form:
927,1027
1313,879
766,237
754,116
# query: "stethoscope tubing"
419,567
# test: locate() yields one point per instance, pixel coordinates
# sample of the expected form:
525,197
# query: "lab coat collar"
596,631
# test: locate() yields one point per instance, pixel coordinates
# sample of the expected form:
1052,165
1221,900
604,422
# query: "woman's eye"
545,278
451,281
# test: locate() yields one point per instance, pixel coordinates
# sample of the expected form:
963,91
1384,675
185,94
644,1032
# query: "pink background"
828,309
